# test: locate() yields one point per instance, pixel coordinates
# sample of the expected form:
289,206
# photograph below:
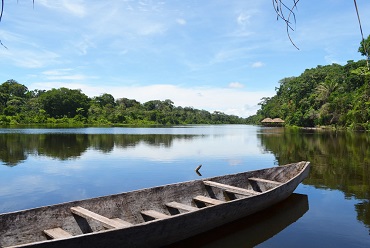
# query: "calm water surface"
330,209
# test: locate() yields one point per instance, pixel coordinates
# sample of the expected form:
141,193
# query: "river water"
331,208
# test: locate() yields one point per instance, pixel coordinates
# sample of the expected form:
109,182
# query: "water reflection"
15,147
231,142
64,165
254,229
340,160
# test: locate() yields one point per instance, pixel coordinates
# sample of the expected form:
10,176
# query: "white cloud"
243,19
83,45
24,52
181,21
230,54
236,85
245,27
73,7
56,72
65,75
30,58
257,64
46,3
126,20
76,77
151,29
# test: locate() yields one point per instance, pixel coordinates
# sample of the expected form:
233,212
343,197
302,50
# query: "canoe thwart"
108,223
181,206
57,233
122,222
231,189
208,200
264,180
155,214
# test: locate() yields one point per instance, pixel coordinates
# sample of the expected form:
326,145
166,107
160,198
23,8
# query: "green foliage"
63,102
69,107
364,48
331,95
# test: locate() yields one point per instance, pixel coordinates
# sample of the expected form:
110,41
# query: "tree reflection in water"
15,147
340,160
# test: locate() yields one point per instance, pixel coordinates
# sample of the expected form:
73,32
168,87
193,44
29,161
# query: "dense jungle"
330,95
72,107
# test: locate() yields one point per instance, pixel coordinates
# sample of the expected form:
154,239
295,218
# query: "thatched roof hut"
267,120
277,120
273,122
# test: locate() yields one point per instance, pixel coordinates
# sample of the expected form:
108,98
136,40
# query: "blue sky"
222,55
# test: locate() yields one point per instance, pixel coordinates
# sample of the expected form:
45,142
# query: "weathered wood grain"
57,233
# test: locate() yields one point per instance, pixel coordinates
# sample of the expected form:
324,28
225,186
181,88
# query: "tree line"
331,95
64,106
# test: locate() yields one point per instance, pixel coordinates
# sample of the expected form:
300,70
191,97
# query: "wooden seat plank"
57,233
181,206
264,180
207,200
122,222
108,223
155,214
232,189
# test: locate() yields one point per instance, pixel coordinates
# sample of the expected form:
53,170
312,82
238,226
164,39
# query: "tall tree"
64,102
104,99
13,88
12,94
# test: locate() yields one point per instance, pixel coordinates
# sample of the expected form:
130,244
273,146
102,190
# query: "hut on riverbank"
276,122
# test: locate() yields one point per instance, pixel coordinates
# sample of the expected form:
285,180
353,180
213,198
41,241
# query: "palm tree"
324,89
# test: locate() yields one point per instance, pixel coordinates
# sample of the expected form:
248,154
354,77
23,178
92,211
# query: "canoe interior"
254,229
27,226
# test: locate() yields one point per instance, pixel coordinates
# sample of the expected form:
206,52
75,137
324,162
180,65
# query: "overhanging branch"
285,13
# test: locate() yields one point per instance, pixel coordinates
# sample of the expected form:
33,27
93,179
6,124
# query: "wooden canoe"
152,217
246,232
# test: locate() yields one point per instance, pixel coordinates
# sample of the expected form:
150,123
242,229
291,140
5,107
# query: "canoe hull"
128,205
